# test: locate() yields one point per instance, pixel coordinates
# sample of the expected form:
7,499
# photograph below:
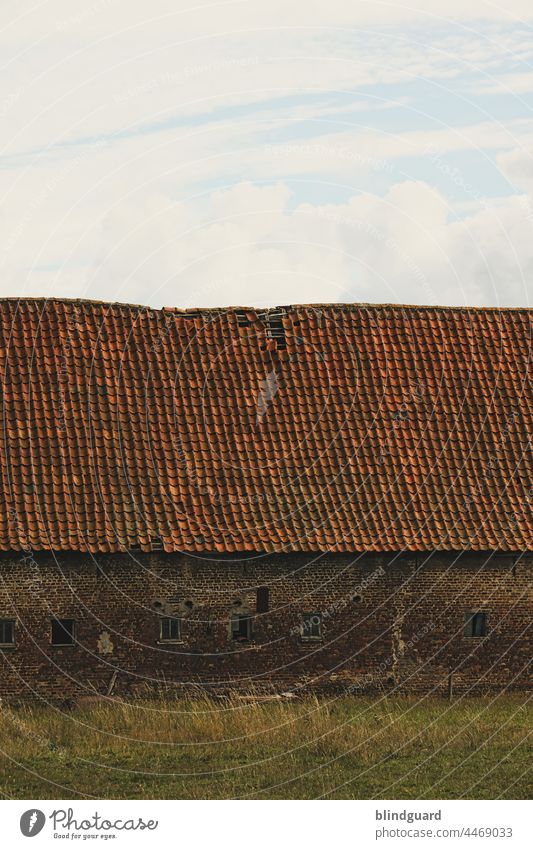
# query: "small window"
62,632
169,629
7,632
241,627
261,603
475,624
311,628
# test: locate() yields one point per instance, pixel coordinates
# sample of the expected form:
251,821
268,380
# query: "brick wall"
387,621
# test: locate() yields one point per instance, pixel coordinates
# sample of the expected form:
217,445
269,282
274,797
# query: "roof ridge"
348,306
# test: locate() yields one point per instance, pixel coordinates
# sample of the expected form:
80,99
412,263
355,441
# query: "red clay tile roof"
312,428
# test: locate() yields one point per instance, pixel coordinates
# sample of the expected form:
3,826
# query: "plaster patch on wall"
105,644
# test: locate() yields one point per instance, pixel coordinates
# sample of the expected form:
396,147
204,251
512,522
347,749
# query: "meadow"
235,747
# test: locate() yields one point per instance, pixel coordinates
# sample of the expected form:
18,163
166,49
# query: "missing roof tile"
243,318
274,326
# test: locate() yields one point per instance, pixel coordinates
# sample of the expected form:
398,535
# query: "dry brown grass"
203,747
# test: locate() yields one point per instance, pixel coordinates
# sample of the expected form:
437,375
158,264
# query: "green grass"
347,748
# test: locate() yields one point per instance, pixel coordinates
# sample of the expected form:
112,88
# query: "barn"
327,496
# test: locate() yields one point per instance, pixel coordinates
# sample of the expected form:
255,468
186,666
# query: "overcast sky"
171,152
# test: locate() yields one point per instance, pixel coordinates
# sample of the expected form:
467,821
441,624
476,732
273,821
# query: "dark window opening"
312,626
7,632
169,629
241,627
475,624
62,632
261,601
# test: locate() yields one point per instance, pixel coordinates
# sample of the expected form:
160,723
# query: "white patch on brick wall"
104,644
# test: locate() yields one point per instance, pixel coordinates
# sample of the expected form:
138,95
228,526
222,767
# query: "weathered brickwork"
386,621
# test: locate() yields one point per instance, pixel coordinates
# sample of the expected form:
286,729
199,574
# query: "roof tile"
370,427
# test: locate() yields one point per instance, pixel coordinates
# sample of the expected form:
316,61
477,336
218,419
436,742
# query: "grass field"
332,748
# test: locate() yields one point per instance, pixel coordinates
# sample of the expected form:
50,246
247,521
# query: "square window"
311,628
475,624
169,629
63,632
241,627
7,632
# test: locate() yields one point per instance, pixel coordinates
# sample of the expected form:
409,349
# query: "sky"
191,154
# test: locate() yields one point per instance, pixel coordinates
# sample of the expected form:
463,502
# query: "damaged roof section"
297,428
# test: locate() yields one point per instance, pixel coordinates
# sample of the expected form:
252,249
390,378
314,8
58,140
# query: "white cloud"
69,77
122,120
509,84
517,165
57,211
248,245
98,18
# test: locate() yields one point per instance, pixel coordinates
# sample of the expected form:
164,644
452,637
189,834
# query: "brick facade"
386,621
